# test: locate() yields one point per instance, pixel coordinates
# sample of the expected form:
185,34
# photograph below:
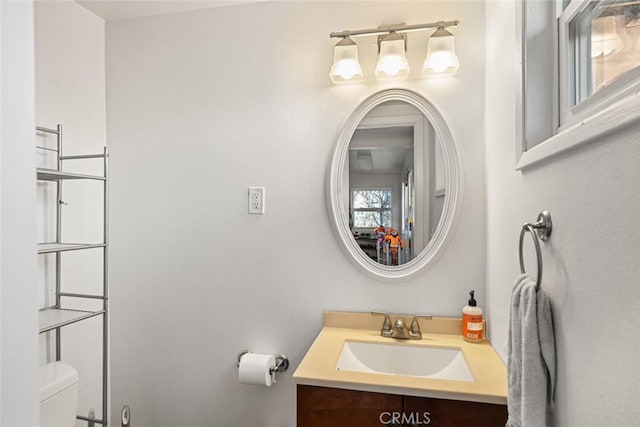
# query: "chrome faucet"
399,329
386,330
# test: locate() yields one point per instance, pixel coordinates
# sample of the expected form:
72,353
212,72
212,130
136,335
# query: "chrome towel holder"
540,230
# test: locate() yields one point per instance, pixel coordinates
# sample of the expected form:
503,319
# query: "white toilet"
58,395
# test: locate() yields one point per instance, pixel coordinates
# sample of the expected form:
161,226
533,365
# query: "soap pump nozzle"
472,301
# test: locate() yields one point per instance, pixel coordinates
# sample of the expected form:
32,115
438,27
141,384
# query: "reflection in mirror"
395,166
396,183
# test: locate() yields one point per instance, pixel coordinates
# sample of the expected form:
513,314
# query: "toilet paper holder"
282,363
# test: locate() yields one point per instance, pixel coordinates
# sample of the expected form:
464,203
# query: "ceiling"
380,150
123,9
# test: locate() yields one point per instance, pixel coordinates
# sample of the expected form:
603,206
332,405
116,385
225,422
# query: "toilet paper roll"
254,369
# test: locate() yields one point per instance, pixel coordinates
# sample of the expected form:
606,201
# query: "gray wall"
193,279
70,90
201,106
591,262
18,308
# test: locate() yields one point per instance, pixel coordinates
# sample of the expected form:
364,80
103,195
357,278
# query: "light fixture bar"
393,29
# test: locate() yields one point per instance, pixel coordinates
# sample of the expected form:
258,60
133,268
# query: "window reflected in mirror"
396,183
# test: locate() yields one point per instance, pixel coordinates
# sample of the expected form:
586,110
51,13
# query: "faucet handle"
399,324
386,325
414,330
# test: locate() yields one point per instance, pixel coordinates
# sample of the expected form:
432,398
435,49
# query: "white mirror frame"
453,181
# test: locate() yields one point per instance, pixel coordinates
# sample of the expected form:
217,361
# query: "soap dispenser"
472,324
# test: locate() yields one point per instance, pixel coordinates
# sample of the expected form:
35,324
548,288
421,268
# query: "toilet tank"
58,395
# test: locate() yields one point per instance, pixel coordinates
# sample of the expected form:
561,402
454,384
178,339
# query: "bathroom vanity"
352,376
324,406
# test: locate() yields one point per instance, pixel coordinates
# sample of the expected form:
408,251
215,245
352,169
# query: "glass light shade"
441,55
346,67
604,38
393,62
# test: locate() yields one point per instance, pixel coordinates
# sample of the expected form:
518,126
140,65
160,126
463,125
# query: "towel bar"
540,230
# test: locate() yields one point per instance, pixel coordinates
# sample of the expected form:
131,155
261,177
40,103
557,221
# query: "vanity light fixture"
392,63
392,46
345,62
441,54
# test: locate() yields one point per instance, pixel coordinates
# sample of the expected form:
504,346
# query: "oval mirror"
394,184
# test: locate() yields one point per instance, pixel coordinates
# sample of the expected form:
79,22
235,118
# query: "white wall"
70,90
591,262
18,310
202,105
192,296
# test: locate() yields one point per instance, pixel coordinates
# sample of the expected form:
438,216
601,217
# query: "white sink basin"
405,360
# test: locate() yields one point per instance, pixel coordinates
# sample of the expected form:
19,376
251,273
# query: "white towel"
531,361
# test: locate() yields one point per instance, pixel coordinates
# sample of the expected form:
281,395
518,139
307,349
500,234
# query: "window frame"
604,112
379,210
571,113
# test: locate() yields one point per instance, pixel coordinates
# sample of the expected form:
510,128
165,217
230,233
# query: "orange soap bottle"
472,324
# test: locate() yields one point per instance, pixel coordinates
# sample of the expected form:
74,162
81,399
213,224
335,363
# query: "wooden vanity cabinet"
332,407
456,413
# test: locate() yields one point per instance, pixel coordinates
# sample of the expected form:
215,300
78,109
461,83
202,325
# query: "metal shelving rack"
55,317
